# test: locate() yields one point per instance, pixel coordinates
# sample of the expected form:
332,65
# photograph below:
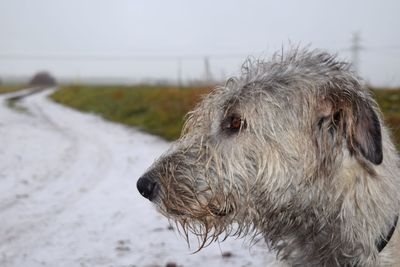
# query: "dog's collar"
382,242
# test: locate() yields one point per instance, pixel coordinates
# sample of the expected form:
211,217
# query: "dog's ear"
353,118
364,132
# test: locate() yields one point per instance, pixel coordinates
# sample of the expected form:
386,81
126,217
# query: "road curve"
68,196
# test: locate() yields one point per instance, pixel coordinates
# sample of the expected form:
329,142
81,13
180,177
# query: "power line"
117,57
387,48
355,48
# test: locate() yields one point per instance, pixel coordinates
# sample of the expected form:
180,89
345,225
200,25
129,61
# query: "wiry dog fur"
295,151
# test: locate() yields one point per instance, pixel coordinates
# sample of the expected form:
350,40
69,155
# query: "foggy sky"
144,39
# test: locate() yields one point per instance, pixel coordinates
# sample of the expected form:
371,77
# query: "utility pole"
355,50
207,71
179,72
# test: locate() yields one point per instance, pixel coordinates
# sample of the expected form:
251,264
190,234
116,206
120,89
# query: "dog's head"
254,152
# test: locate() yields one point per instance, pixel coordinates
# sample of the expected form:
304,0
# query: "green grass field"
389,101
161,110
10,89
157,110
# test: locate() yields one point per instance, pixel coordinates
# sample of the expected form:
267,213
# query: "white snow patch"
68,196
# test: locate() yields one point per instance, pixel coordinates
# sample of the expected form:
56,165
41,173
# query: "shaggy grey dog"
295,151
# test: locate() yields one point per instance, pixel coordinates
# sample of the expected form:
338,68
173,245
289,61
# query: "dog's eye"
233,124
236,123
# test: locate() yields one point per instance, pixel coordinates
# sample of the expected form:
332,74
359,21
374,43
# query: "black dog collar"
381,244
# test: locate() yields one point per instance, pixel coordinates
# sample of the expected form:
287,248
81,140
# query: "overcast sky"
144,39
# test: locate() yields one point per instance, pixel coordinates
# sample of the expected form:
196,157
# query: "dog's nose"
146,187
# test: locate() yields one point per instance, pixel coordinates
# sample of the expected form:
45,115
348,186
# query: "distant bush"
43,79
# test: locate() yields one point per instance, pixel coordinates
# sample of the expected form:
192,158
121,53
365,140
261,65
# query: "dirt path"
68,196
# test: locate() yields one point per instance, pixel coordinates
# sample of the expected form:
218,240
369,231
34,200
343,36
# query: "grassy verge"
161,110
157,110
389,101
10,89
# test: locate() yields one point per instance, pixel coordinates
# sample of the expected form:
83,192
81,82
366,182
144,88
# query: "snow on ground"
68,196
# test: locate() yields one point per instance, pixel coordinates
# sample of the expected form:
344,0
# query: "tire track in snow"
62,184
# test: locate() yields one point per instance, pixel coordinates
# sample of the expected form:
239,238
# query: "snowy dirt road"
68,196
